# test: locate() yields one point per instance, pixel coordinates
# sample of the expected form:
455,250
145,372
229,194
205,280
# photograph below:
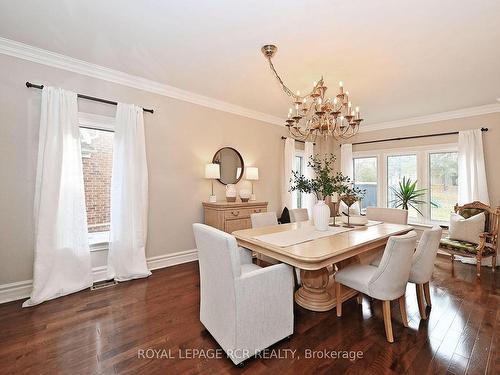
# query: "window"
434,167
365,177
443,186
298,166
96,140
399,166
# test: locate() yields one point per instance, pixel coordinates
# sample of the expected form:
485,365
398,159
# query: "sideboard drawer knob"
235,213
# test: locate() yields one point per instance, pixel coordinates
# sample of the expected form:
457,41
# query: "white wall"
180,138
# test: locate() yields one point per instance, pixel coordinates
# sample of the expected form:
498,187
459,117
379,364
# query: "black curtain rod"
81,96
296,140
411,137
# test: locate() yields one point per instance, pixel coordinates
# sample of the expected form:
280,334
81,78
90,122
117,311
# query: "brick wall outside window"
97,152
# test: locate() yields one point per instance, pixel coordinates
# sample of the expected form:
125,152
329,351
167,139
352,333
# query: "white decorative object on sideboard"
231,193
212,172
245,195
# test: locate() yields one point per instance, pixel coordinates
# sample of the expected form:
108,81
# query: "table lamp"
252,175
212,172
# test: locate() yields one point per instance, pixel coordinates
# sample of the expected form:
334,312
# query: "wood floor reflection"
103,331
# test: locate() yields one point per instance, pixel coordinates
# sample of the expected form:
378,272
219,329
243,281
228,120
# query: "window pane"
365,177
443,176
97,159
399,166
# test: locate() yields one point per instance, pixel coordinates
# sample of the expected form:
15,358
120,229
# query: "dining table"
318,254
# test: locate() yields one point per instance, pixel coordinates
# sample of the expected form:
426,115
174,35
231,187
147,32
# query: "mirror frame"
242,164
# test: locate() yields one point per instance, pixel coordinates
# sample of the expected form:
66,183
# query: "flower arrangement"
325,181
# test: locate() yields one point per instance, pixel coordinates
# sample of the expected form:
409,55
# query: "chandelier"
314,114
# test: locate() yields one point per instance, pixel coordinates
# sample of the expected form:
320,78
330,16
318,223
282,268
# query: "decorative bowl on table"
355,220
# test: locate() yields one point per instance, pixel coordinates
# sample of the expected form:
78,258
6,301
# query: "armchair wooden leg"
493,263
420,300
338,296
478,263
386,305
402,307
427,294
452,256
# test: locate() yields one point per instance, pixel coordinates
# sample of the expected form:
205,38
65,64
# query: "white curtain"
129,197
346,160
310,199
286,195
62,257
472,185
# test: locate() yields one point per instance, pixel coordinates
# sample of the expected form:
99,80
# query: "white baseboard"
15,291
174,259
22,289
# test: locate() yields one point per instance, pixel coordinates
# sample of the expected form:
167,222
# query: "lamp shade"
212,171
252,173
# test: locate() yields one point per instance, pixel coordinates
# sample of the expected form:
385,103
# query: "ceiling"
398,58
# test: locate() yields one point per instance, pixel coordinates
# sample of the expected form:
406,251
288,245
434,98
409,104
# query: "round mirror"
231,165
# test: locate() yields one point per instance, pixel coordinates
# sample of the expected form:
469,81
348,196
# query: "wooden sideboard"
229,217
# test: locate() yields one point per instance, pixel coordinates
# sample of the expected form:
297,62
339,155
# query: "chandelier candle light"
314,114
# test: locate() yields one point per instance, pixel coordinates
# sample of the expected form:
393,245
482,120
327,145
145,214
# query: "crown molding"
34,54
460,113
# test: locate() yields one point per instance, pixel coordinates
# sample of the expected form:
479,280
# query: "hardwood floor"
104,331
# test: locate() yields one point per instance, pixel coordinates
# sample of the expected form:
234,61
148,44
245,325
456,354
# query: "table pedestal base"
317,292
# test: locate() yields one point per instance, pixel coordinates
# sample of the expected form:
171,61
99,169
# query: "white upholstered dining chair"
422,265
387,215
298,214
246,308
385,282
263,219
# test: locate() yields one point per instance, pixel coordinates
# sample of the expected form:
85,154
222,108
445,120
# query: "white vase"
230,193
321,215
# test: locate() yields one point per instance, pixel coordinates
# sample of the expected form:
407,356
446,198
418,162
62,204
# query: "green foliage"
407,195
325,181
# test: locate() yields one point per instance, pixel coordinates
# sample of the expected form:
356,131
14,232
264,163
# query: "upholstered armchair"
487,243
245,308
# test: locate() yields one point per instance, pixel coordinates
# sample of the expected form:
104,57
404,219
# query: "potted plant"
324,183
407,195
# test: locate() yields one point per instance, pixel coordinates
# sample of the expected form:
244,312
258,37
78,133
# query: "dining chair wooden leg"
420,300
452,257
338,296
386,306
402,307
427,294
359,298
